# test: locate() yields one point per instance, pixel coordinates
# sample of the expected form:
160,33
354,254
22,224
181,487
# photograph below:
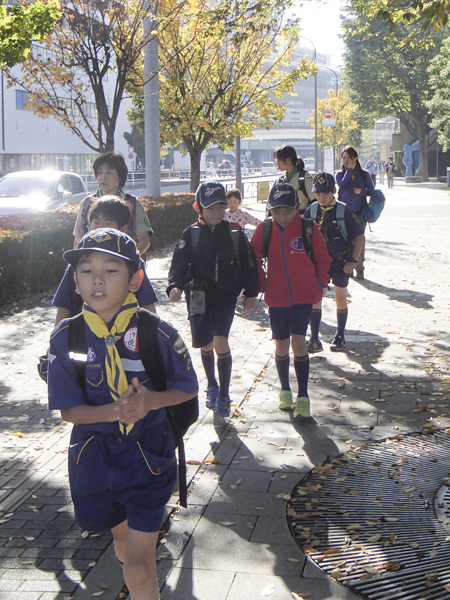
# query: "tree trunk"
195,156
419,115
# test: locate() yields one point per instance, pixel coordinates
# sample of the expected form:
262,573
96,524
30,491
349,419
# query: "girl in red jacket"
293,281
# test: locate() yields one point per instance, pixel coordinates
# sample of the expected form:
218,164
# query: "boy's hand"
357,191
175,294
348,267
135,403
248,304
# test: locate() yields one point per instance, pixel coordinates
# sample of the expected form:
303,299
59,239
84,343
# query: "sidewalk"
233,541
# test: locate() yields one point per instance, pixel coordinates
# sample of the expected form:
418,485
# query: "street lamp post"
315,104
336,79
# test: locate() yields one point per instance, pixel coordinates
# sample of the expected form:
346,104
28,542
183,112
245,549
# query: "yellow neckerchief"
325,209
115,375
290,175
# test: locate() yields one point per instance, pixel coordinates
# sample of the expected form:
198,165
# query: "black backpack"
181,416
307,228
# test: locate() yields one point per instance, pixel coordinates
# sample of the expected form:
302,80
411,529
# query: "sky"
320,23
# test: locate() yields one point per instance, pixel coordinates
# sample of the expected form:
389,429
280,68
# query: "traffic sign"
328,122
130,149
131,156
328,113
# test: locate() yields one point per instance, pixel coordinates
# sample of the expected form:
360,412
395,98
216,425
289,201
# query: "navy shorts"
336,273
115,477
289,320
216,321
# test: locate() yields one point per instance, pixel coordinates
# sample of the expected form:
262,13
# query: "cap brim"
215,202
72,256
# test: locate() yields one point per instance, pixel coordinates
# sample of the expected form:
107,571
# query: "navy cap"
282,195
323,183
109,241
210,193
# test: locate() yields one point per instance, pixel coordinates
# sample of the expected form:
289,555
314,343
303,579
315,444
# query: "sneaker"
337,343
222,408
301,407
285,400
211,396
314,346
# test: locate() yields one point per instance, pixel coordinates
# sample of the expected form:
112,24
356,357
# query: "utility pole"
151,107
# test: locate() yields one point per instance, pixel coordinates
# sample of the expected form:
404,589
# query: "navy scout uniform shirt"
331,232
64,390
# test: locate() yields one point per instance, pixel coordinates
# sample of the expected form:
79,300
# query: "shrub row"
32,245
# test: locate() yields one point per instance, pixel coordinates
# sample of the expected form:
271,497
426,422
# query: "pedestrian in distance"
122,464
390,171
212,263
111,172
235,214
295,174
293,279
114,213
344,239
355,184
372,169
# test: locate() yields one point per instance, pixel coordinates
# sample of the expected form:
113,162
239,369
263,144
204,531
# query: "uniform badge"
297,243
179,346
100,236
91,356
130,339
181,244
147,221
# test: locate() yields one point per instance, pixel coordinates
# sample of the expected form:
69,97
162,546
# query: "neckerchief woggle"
325,209
115,375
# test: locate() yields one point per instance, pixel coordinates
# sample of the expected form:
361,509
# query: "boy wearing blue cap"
344,239
115,213
293,281
122,465
211,264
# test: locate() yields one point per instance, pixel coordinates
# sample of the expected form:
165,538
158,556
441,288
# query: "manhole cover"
377,519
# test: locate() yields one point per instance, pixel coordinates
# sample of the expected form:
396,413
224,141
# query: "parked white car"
269,167
309,164
31,191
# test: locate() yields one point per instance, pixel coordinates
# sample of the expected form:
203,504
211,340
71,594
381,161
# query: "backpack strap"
132,222
151,359
267,234
195,234
314,209
235,236
340,218
84,213
78,347
307,234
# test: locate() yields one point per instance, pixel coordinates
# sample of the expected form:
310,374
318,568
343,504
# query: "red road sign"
328,113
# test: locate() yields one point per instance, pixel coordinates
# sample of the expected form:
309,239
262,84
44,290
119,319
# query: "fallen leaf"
269,589
104,586
295,560
193,462
226,523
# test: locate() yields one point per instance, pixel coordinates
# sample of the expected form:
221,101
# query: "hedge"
32,244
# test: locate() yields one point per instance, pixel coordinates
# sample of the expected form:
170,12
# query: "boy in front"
122,465
292,283
343,252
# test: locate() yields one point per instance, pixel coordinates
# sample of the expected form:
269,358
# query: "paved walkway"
233,541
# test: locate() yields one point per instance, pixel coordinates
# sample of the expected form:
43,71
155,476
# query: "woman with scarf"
111,173
354,185
295,174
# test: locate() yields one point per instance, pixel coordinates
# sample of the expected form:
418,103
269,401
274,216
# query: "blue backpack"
373,209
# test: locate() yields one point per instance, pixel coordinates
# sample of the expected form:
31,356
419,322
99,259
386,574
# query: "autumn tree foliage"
20,24
228,65
344,115
95,40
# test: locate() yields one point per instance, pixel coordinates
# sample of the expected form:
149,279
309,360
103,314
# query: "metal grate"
377,518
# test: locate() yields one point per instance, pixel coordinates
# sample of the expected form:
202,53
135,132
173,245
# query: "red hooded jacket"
292,277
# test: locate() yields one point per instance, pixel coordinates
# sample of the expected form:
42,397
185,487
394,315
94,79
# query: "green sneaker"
286,402
302,407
